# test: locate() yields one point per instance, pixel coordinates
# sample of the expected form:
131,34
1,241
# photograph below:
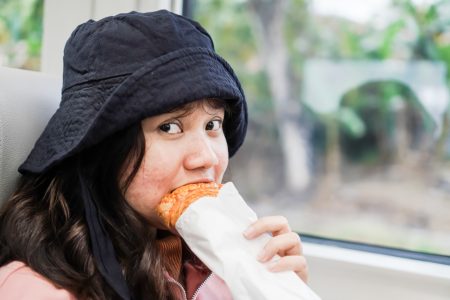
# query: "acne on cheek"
143,191
144,200
152,182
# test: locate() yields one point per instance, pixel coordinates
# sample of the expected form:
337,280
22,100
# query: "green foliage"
351,122
390,35
410,32
21,24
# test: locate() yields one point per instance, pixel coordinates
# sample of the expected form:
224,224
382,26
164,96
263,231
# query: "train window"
349,110
349,115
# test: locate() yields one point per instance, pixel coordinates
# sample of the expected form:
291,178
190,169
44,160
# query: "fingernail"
248,232
262,255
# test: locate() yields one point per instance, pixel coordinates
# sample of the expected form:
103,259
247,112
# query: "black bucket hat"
124,68
118,71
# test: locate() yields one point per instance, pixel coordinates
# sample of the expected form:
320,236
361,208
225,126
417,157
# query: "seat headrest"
27,101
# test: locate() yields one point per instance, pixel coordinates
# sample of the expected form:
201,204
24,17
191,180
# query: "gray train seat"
27,101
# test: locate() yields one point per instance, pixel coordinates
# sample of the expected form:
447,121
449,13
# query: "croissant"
174,204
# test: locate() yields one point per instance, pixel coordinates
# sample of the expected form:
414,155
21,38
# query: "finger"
285,244
295,263
273,224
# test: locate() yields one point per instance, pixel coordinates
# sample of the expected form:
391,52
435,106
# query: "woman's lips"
199,180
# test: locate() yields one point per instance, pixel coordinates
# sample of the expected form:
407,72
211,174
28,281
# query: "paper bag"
213,229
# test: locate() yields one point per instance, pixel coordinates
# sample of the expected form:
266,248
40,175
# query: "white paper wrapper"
213,227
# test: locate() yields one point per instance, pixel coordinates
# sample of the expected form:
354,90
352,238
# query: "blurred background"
349,110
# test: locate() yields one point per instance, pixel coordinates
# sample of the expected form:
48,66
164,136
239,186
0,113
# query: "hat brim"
86,116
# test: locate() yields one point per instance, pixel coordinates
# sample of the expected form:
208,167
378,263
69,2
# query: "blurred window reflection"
349,115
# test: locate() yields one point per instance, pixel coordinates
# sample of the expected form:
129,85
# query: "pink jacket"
19,282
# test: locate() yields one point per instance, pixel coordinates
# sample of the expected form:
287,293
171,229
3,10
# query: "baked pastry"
174,204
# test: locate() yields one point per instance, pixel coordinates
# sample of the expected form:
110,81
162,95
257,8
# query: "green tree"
21,33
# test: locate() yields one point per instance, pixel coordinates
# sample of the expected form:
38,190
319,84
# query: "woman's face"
181,147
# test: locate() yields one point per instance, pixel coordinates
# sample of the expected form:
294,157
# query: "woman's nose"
200,154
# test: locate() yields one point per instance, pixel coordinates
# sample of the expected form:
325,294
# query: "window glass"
21,33
349,115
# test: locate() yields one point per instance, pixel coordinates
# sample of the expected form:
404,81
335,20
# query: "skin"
185,147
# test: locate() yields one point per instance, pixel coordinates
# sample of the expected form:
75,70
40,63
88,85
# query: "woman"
147,106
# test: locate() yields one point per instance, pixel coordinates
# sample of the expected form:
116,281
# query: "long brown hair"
43,223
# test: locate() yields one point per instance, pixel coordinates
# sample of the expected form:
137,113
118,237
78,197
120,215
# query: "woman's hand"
285,243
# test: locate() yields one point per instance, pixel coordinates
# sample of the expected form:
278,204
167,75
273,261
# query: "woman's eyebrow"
182,113
188,109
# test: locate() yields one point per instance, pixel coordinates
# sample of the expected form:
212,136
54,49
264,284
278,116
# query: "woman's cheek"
141,194
223,159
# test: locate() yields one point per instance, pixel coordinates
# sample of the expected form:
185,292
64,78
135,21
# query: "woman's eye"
171,128
214,125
